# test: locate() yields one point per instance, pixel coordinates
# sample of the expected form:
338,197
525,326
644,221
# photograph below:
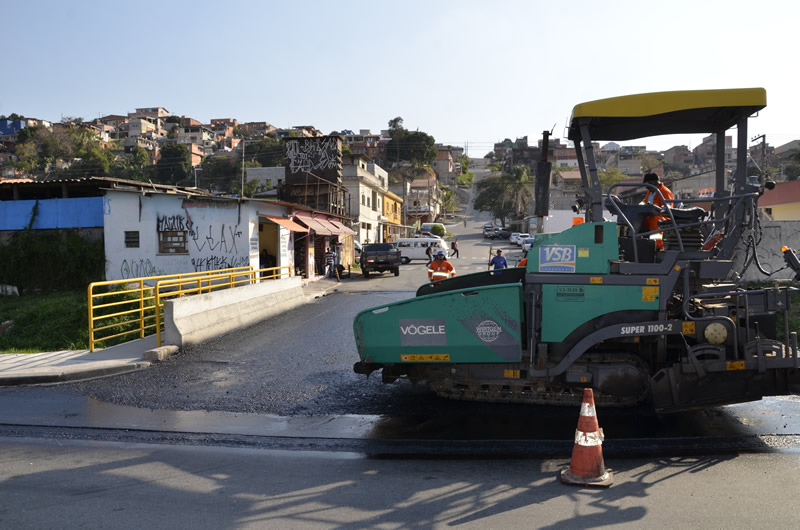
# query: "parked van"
416,247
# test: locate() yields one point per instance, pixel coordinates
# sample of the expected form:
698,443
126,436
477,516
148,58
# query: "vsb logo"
554,254
557,258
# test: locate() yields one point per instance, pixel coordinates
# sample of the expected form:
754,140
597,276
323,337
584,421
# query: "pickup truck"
379,257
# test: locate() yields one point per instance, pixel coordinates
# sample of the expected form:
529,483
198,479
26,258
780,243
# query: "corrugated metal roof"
784,193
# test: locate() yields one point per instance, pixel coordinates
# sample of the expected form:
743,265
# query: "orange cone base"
603,481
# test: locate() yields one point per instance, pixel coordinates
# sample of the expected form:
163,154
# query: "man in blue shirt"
499,261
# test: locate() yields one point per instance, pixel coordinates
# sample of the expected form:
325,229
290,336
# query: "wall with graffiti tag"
159,234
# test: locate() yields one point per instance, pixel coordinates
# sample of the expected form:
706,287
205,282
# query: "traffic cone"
586,467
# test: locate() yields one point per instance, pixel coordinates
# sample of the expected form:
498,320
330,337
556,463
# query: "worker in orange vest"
651,223
440,268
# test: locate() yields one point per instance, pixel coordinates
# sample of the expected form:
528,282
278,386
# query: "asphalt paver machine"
600,305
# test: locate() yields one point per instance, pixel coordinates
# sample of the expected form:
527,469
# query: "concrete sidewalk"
75,365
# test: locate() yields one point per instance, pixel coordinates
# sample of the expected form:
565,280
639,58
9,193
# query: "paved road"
57,484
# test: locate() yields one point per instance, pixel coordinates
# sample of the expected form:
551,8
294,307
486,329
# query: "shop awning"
342,230
316,225
283,221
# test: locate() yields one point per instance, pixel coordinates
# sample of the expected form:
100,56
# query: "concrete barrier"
192,320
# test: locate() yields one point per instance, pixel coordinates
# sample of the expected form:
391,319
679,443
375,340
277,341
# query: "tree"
27,134
418,147
95,161
175,165
507,195
253,186
268,151
135,166
649,163
27,155
792,171
489,155
491,197
519,189
219,174
609,177
396,124
396,133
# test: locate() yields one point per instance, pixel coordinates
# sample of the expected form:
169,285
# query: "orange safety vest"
650,223
665,191
440,270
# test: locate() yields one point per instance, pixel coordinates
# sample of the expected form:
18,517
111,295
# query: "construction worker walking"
440,268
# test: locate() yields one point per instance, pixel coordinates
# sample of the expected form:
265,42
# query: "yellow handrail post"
141,309
157,302
91,320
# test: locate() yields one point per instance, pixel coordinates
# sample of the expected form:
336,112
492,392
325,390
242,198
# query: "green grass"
47,322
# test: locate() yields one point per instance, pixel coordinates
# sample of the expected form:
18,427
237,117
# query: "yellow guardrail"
123,310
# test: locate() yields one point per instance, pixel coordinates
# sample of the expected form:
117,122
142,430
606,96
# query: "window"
173,242
363,200
132,239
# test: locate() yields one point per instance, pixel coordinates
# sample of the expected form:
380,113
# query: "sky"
468,73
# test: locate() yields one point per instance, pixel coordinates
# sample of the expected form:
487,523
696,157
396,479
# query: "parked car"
522,237
380,257
357,246
488,231
513,238
501,233
527,244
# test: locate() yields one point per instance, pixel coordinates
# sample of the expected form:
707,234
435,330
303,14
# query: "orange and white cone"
587,467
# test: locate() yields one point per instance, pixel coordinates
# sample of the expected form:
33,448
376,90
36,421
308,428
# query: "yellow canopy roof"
657,113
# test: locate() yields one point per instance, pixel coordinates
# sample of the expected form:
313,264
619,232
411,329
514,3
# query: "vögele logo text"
423,330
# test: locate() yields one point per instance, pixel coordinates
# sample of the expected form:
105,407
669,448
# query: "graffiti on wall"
138,269
213,246
213,238
173,223
223,240
312,154
212,263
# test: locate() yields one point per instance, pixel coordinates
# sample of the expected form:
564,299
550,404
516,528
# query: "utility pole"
763,138
244,144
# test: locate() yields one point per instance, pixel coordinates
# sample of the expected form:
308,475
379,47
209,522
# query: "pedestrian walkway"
75,365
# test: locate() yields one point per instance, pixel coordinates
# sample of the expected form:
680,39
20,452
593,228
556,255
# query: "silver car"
527,243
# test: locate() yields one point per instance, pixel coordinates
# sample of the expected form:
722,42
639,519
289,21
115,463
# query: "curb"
72,375
161,353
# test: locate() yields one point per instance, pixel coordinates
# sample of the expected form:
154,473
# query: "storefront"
326,232
278,237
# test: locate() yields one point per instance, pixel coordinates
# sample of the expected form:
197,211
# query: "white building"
164,233
367,184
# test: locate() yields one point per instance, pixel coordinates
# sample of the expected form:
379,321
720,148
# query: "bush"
437,230
51,322
50,260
